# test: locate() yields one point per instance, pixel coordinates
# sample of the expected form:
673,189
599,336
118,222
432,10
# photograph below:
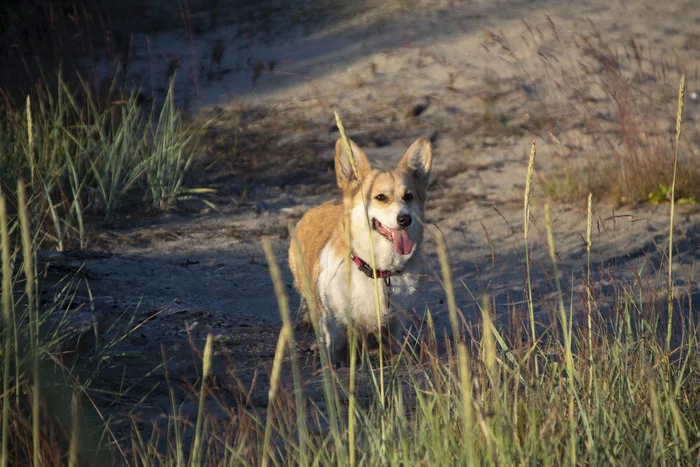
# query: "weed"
679,127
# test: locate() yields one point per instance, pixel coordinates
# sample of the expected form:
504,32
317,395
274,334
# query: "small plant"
662,195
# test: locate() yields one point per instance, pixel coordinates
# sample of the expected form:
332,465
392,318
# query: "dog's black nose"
404,220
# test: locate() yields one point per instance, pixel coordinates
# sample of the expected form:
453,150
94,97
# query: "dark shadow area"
236,48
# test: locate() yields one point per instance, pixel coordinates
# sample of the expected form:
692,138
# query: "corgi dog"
393,201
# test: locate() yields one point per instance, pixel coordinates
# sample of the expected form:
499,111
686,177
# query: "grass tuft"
88,154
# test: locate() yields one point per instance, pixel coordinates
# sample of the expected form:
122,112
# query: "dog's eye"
408,197
380,197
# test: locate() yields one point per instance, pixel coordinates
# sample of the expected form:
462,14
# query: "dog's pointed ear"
344,173
419,160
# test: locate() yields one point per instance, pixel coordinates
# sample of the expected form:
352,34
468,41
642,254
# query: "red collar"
367,269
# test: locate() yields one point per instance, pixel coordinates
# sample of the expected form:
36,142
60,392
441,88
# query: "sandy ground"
475,77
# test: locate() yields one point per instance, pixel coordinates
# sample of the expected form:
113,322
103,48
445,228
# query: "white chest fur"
396,296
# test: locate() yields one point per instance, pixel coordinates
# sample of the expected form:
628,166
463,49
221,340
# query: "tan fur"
312,233
325,223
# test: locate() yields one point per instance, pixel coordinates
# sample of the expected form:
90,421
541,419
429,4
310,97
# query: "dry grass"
609,114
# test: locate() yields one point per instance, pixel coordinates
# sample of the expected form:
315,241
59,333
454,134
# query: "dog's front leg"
334,337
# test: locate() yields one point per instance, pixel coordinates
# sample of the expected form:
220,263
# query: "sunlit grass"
679,126
604,120
609,391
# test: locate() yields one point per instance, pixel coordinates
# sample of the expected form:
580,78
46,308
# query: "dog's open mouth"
399,237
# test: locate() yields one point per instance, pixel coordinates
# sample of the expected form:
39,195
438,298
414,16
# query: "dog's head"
394,202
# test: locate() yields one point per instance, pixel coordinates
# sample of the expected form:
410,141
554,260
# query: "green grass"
87,156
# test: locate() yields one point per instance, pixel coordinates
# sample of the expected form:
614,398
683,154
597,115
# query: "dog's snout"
404,220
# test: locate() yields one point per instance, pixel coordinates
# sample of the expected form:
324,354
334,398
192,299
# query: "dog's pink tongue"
402,242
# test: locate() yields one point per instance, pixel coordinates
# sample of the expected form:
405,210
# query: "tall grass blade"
570,370
287,329
659,438
463,363
30,139
679,126
8,327
75,429
330,392
589,294
488,344
373,263
173,419
352,341
275,377
28,255
38,175
206,368
526,231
